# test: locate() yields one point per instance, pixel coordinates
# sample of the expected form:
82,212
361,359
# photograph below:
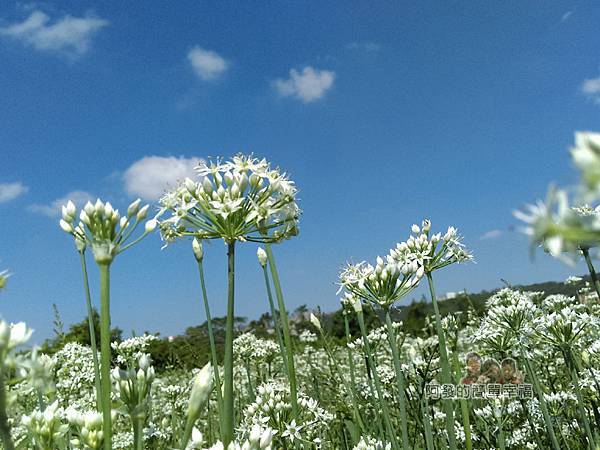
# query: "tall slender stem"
446,375
228,397
427,424
540,395
501,438
464,408
291,371
92,328
334,364
187,434
213,347
4,427
352,371
138,433
371,362
105,352
399,378
275,319
593,275
581,406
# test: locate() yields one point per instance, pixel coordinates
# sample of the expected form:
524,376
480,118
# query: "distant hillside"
413,315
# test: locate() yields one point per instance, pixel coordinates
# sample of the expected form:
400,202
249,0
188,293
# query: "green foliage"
78,333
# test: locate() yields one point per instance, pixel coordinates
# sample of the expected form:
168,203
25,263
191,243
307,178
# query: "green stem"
582,411
249,378
378,388
464,409
593,275
138,434
291,371
187,433
105,353
399,378
501,438
213,347
446,376
427,424
352,369
4,427
92,328
275,319
333,364
228,397
540,395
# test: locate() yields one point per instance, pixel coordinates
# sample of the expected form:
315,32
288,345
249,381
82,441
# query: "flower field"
523,373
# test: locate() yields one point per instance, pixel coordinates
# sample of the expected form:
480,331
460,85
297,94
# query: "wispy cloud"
70,35
208,65
10,191
369,47
566,16
492,234
591,89
307,86
53,208
150,176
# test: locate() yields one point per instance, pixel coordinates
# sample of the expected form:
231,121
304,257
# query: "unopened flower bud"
150,225
69,211
207,186
266,439
255,433
89,208
200,391
415,228
262,256
190,185
133,208
67,227
198,250
142,213
144,362
85,217
315,321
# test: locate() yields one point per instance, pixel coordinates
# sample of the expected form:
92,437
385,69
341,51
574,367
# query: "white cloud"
207,64
566,16
369,47
591,89
307,86
53,209
10,191
150,176
492,234
69,35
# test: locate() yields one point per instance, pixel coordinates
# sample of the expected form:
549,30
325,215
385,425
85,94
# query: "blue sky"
383,112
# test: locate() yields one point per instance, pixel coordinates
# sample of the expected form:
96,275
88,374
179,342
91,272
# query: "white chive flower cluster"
431,252
133,387
102,227
586,157
564,224
45,428
398,273
12,336
242,199
88,429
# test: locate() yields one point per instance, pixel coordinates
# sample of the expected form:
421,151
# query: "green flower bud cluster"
102,228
